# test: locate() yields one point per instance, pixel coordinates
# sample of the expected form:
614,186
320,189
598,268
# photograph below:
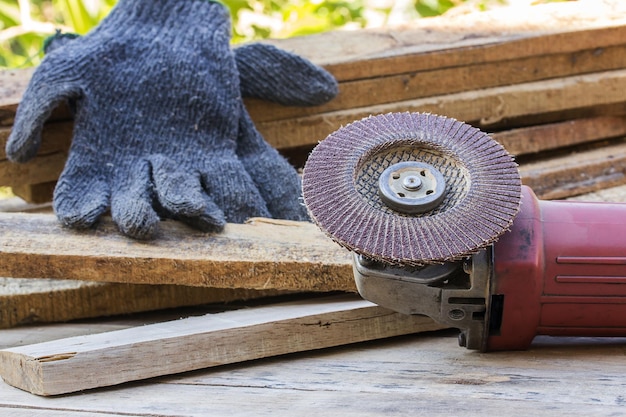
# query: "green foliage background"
25,24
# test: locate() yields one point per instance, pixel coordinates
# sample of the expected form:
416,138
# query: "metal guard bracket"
454,293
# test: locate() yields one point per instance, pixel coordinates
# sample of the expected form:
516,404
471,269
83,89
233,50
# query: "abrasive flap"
340,188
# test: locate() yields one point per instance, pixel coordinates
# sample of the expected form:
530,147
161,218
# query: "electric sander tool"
440,225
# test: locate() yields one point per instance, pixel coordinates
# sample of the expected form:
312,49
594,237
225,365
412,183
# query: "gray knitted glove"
160,127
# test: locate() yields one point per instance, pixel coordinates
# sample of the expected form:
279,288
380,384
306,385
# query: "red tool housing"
560,271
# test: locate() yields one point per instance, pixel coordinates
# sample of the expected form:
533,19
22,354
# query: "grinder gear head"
411,189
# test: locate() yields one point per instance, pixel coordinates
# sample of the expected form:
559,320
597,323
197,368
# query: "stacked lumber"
547,82
548,70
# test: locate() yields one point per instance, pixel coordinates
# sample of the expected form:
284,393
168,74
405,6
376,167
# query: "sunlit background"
25,24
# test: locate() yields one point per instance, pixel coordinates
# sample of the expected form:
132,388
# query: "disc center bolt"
411,187
412,183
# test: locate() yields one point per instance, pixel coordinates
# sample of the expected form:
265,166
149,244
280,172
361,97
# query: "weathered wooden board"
54,138
483,108
613,194
41,169
263,254
519,141
35,193
26,301
48,300
416,84
422,374
577,173
551,136
450,41
74,364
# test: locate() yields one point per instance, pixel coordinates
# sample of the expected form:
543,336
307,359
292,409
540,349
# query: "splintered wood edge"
105,359
262,255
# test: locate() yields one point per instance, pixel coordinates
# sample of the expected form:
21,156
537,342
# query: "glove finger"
179,193
131,205
181,196
232,189
80,198
210,220
273,74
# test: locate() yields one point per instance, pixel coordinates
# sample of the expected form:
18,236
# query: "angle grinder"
439,224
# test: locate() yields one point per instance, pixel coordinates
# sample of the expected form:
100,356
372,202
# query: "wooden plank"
56,137
577,172
482,108
520,141
422,374
449,41
415,84
12,86
70,365
40,169
45,332
263,254
27,301
517,141
552,136
35,193
612,194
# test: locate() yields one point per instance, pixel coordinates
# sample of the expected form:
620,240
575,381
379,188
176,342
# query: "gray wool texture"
160,126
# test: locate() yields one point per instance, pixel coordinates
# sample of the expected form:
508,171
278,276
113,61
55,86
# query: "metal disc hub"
412,187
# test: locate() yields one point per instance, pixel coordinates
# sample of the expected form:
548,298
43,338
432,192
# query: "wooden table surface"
422,374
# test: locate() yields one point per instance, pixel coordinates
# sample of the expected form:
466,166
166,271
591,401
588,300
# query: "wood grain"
415,83
56,137
577,172
40,169
482,108
264,254
70,365
535,139
27,301
35,193
483,68
422,374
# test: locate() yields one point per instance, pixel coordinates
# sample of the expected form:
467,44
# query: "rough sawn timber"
432,44
84,362
425,374
27,301
262,254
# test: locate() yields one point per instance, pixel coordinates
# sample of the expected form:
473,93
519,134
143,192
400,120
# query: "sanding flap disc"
411,188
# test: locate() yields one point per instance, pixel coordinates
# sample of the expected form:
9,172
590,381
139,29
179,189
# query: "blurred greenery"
25,24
